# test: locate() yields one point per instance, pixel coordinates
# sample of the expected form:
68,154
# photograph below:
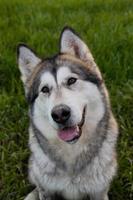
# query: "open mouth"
72,134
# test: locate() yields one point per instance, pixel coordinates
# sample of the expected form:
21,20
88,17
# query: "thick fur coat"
73,133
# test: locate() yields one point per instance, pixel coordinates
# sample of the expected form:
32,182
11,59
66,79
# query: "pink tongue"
68,133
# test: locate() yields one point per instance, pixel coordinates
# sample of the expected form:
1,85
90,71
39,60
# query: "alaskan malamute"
72,133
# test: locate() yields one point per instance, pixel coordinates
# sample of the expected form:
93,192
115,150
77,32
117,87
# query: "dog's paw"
44,197
33,195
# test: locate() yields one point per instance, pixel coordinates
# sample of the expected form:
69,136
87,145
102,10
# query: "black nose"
61,113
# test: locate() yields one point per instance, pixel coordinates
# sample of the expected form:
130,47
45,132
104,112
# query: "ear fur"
27,61
71,43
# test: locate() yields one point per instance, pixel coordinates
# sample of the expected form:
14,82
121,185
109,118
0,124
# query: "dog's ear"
27,61
71,43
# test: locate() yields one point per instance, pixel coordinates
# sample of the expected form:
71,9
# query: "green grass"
107,28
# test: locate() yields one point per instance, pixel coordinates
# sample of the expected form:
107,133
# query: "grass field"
107,28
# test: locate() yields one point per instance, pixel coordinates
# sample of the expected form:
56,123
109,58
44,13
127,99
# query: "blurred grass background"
107,28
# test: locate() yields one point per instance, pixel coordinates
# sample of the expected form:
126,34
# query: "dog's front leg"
33,195
38,194
99,196
43,195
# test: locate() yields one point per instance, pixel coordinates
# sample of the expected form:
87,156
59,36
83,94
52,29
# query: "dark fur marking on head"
86,74
33,92
52,65
48,64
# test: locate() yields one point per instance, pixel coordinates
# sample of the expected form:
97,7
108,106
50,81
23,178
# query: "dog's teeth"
77,128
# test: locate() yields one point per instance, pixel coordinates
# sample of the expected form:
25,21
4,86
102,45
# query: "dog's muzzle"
61,114
73,133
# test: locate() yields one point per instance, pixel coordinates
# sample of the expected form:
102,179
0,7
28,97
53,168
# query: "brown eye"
45,89
71,81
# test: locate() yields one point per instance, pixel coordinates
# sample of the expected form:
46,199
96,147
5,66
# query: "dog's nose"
61,113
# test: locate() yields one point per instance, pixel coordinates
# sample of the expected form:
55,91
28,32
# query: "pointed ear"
27,61
71,43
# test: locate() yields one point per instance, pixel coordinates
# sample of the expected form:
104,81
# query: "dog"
72,133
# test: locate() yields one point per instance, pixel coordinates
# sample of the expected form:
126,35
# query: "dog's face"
63,91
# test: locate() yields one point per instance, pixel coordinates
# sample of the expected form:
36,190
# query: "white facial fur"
81,94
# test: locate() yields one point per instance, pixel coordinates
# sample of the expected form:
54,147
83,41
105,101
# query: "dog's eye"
45,89
71,81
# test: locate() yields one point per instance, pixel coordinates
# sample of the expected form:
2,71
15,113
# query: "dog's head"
63,91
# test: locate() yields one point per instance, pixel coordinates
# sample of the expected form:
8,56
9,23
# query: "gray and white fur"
66,94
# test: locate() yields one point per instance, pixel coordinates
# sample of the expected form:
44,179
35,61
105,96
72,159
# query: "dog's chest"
58,181
70,185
